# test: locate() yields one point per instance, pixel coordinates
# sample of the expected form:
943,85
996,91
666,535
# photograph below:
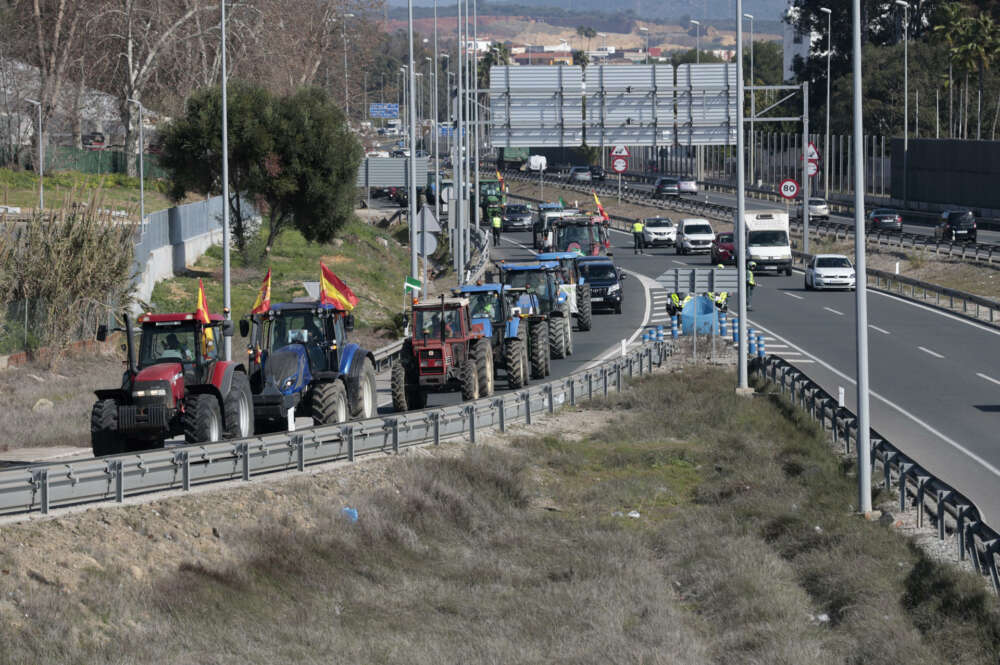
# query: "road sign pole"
619,189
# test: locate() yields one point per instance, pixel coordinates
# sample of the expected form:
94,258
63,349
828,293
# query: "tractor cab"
567,264
319,330
542,279
582,235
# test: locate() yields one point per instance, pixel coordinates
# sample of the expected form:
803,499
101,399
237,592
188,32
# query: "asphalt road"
934,377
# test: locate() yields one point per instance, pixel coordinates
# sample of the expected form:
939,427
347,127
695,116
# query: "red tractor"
445,351
586,236
179,385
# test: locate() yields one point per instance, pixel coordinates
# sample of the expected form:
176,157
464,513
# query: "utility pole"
460,221
826,149
475,103
742,386
906,96
753,99
805,167
347,100
411,78
226,287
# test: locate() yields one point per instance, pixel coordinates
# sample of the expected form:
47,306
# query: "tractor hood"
287,369
171,374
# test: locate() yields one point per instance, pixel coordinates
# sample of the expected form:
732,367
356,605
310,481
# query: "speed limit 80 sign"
789,188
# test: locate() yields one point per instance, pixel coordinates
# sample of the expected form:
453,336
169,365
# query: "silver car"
658,231
818,209
687,185
579,174
830,271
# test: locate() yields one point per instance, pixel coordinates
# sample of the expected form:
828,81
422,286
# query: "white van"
694,236
767,240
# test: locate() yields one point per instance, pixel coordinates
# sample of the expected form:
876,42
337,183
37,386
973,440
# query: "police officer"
639,247
751,283
497,222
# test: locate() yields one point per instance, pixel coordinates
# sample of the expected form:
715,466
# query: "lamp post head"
694,22
903,3
33,102
643,29
826,10
749,16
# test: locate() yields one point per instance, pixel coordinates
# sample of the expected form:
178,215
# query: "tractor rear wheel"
238,408
482,351
470,379
329,403
105,439
363,401
202,420
557,337
539,349
514,361
585,319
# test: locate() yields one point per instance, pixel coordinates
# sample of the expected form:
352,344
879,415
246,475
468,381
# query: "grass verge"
117,191
745,550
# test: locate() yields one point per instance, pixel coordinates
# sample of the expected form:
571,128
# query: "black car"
597,173
667,186
884,220
516,217
956,225
605,280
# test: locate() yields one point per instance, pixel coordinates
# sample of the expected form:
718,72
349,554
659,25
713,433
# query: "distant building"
543,58
795,43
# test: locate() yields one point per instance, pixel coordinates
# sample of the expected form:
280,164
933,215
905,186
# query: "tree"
497,55
587,33
293,154
581,58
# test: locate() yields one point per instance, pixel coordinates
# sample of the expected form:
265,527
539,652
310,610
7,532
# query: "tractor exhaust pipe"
129,349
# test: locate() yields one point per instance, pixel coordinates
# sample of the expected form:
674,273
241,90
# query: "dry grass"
746,551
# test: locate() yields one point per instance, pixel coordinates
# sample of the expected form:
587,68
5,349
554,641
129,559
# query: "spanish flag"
332,291
263,302
499,177
201,314
600,208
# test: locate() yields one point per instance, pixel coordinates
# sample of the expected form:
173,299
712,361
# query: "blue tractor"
543,279
517,330
577,291
300,358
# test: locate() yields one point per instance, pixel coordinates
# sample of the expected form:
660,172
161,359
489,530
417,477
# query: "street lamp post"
697,40
41,155
227,345
142,180
700,173
411,106
829,51
906,93
347,102
753,99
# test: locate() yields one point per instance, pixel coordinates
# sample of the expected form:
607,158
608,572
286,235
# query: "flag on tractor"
332,291
562,203
600,208
499,177
263,302
201,314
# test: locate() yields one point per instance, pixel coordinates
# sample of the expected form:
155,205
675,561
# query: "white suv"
694,235
658,231
579,174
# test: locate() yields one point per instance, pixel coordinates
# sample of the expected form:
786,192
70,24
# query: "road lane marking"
680,263
830,309
884,332
951,442
793,295
988,378
929,352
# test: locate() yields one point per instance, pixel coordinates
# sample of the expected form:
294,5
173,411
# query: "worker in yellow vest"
497,223
639,247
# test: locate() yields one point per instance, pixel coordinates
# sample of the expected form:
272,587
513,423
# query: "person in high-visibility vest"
639,247
497,223
676,303
751,283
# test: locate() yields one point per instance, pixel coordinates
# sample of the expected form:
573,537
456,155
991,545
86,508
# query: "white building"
795,44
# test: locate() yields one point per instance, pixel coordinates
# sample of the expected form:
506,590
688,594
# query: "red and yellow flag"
600,208
334,292
263,302
499,177
201,314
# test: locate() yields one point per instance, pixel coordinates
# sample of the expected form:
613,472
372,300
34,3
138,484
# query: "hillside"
668,9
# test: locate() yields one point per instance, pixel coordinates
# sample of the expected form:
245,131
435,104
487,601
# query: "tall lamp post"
697,39
700,173
906,93
347,101
142,149
753,99
41,155
227,345
829,52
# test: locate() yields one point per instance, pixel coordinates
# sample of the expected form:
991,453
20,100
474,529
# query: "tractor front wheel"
363,402
514,360
557,337
405,396
539,349
329,403
238,408
470,379
105,439
202,420
483,353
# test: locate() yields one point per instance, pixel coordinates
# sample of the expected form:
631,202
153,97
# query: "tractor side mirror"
244,328
349,323
102,333
227,328
622,275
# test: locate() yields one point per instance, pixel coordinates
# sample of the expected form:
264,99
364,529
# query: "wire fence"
32,324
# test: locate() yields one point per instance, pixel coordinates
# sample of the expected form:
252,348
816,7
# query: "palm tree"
581,58
984,38
949,27
497,55
587,33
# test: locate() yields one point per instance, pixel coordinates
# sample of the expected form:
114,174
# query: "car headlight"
152,392
614,287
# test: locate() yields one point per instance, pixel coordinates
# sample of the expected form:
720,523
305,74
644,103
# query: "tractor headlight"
289,382
152,392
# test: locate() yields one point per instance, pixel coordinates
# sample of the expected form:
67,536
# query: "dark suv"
597,173
956,225
667,186
605,280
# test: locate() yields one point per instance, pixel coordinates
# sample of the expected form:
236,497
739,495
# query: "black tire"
788,271
328,403
105,439
806,284
585,320
470,379
539,349
406,394
482,351
514,362
557,337
618,308
237,412
364,400
202,419
568,329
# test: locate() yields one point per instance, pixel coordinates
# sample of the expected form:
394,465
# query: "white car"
579,174
830,271
687,185
693,236
818,209
658,231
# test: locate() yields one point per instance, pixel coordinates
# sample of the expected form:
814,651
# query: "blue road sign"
383,110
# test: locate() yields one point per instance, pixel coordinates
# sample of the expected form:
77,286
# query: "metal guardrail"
41,487
948,508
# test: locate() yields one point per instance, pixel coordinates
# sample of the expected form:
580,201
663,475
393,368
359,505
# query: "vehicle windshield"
535,280
882,213
295,328
516,210
817,202
598,271
768,238
698,230
580,236
173,342
428,323
484,305
491,189
659,223
668,181
961,218
723,238
833,262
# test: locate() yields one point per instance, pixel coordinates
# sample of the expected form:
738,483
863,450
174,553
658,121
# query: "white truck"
537,163
767,240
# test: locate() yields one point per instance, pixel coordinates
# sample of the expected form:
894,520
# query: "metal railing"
41,487
918,488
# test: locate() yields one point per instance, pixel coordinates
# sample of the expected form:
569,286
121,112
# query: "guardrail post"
242,451
618,376
604,377
572,392
904,470
471,409
886,468
181,459
921,488
549,398
590,386
436,420
942,496
40,482
970,546
117,470
498,404
526,395
298,442
349,431
961,509
394,424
